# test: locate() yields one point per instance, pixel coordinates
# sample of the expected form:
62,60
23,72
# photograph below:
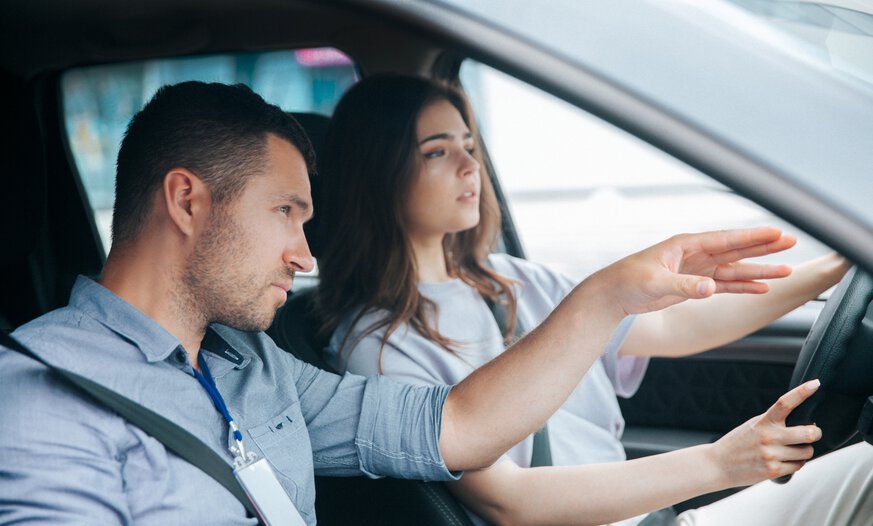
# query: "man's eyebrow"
295,199
440,136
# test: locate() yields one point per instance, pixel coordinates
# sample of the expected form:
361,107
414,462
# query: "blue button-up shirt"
66,460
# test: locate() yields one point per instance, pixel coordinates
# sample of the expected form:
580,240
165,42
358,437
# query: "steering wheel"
839,352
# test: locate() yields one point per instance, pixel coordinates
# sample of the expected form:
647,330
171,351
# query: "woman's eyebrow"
441,136
436,137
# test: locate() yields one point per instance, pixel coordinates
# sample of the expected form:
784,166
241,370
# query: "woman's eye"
434,154
471,150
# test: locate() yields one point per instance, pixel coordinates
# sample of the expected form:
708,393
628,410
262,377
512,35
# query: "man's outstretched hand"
691,266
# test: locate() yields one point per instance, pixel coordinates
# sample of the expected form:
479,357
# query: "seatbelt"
174,438
542,452
865,422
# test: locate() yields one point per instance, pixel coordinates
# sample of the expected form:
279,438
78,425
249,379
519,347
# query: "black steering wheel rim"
839,352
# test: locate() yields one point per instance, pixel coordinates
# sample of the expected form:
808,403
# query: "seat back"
354,500
47,230
295,327
22,206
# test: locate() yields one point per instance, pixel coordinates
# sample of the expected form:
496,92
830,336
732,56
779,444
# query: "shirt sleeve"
57,463
372,425
625,372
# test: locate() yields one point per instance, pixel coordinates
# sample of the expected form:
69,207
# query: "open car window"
584,193
99,101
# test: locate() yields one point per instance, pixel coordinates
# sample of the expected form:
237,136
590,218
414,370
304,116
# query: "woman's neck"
430,260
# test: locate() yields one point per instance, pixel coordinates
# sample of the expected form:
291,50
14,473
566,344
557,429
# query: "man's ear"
187,199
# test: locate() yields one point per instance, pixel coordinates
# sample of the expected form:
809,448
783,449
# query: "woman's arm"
511,396
602,493
693,327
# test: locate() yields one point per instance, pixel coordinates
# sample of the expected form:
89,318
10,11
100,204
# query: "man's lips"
283,287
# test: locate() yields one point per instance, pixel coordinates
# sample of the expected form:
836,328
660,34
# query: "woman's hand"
695,266
517,391
601,493
696,326
763,447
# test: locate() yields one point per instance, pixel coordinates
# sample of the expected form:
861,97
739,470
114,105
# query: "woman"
406,276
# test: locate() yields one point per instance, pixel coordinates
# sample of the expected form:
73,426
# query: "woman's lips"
468,195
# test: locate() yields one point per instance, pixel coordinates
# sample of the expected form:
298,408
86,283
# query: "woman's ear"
187,199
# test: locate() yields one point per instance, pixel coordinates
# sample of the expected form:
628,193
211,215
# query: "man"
212,193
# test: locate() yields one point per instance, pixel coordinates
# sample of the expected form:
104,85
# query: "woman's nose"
470,165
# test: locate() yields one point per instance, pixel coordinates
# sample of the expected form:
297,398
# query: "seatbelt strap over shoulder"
865,422
172,436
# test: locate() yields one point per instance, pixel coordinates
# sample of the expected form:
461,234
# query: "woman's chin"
467,225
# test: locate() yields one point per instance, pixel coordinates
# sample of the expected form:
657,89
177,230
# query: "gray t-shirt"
586,429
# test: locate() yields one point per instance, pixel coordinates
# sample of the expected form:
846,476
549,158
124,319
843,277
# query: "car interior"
49,233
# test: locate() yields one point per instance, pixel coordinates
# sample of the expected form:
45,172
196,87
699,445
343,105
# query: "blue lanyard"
208,383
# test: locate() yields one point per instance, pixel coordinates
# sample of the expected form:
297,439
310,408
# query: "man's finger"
784,242
688,286
728,240
779,411
750,271
741,287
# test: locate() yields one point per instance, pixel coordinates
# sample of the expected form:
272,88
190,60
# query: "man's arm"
510,397
57,465
693,327
506,494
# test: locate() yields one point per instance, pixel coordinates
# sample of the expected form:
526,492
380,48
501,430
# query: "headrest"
316,126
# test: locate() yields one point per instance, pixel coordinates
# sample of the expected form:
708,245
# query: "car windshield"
787,84
838,34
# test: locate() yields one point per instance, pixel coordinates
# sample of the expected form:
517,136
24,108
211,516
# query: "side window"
99,101
584,193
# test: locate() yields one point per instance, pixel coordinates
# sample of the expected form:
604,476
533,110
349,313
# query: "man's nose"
297,254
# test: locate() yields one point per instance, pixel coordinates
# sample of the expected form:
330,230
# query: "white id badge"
267,494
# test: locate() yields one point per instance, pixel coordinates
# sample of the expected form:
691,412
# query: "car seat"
354,500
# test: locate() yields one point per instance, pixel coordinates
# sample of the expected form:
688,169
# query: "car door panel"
698,398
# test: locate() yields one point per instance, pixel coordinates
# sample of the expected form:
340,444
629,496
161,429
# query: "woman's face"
444,195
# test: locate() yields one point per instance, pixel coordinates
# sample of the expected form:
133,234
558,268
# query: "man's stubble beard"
219,286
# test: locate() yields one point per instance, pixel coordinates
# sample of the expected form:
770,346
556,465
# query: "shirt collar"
225,356
119,316
147,335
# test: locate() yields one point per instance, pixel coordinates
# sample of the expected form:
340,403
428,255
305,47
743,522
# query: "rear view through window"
99,101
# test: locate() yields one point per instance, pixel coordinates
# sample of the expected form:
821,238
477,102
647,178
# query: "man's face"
244,262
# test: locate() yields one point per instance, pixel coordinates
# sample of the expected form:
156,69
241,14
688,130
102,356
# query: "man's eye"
284,210
434,154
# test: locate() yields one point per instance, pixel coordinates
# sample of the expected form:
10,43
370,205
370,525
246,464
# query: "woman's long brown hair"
368,162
